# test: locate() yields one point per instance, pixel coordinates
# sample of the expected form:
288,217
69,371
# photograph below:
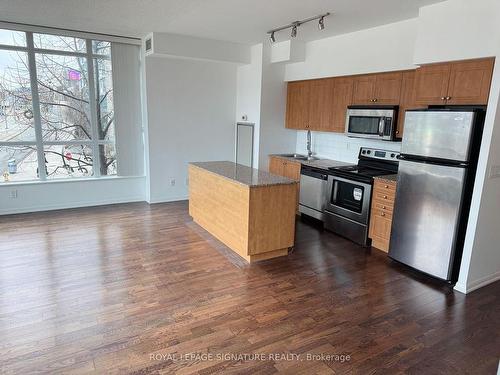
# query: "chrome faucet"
309,152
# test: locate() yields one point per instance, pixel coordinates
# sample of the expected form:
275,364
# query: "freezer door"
438,134
426,216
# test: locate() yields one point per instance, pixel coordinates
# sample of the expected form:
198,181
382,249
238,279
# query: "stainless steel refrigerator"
435,180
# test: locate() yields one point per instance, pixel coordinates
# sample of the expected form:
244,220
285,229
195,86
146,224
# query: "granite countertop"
242,174
320,163
388,177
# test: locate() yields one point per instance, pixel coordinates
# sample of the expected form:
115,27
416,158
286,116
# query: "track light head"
294,31
272,38
321,23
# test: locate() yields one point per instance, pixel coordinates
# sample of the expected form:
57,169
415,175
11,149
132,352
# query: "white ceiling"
244,21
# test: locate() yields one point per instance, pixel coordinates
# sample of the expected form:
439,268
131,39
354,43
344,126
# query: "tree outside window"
56,109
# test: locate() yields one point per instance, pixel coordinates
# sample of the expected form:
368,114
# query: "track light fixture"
321,23
294,26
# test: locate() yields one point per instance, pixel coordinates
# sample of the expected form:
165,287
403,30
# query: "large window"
56,107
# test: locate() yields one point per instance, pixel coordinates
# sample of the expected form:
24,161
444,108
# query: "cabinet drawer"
382,213
384,196
381,185
383,206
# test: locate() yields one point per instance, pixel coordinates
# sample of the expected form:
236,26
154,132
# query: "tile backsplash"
338,146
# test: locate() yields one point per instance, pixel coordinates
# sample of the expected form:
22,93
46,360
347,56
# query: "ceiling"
244,21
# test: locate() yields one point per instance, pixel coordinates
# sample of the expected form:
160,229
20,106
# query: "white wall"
51,195
462,29
274,138
382,48
191,117
248,95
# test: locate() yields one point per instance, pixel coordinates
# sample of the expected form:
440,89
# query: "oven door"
349,198
370,123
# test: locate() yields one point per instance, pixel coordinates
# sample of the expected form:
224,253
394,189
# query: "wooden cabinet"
364,89
320,110
407,100
297,104
382,208
461,82
382,88
286,168
342,97
470,81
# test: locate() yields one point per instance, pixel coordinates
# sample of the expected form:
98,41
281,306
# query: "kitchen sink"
299,156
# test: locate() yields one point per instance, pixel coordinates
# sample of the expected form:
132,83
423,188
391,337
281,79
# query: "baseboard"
483,281
168,199
51,207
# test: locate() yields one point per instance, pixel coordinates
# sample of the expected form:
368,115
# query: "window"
56,107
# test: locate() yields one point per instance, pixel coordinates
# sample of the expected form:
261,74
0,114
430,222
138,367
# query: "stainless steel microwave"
375,122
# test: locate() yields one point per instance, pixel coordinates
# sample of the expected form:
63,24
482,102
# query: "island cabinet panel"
382,208
342,98
297,105
286,168
255,221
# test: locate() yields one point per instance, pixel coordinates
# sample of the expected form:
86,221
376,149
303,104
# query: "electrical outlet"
13,194
172,182
495,171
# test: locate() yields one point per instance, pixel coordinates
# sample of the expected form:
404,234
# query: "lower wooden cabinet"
286,168
384,194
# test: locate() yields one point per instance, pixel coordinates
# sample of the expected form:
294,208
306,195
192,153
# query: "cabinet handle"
448,97
375,100
385,196
397,131
443,98
386,186
382,214
383,207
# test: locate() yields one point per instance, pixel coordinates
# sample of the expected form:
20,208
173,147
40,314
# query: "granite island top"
319,163
242,174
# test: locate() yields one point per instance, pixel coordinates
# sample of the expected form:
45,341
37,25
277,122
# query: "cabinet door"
380,230
388,88
431,84
342,97
297,105
407,100
364,89
320,104
276,165
470,81
291,170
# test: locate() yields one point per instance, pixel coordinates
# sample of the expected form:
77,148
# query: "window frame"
94,142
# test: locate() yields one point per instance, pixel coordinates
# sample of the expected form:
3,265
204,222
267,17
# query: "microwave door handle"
381,126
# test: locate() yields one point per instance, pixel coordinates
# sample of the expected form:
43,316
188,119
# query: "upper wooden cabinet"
470,81
407,100
320,112
382,88
342,97
297,104
461,82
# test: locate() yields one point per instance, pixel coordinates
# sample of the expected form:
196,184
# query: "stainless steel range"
349,191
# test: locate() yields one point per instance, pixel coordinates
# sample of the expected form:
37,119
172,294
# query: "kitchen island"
250,211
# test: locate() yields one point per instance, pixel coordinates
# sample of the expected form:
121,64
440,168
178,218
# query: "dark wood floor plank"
101,290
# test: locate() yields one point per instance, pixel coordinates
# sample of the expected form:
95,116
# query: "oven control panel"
374,153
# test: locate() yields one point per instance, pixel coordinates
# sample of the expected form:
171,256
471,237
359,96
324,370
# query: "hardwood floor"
135,288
